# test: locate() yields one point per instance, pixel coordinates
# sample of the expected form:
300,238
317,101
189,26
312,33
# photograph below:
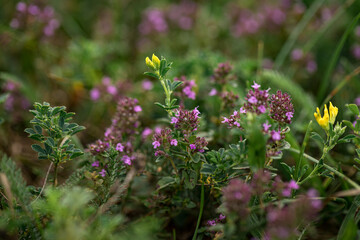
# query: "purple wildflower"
266,126
281,107
192,146
95,164
112,90
174,142
256,100
119,147
126,159
221,73
275,135
186,121
102,173
147,85
213,92
211,223
156,144
256,86
236,197
137,108
94,94
221,217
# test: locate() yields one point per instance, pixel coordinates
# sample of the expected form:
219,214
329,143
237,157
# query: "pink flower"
95,164
221,217
275,135
21,7
119,147
213,92
94,94
156,144
174,120
289,115
252,100
242,110
106,80
174,142
111,90
126,159
192,146
137,108
102,173
262,109
147,85
147,132
255,86
293,185
266,126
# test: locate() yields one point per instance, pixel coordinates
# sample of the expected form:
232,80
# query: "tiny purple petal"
94,94
126,159
192,146
95,164
213,92
156,144
119,147
174,142
137,108
256,86
252,100
262,109
102,173
293,185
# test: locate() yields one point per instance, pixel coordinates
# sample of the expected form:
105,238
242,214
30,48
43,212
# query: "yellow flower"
327,118
156,61
322,121
333,113
149,63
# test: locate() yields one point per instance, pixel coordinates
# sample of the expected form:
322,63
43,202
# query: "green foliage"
18,186
52,128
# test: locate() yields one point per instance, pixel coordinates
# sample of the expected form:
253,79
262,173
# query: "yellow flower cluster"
327,118
154,63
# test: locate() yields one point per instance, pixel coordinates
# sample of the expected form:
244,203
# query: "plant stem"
339,174
55,174
200,213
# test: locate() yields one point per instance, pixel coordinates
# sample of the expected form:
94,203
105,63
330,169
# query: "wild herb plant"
231,192
53,129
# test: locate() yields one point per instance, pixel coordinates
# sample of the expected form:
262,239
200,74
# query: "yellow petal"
333,113
156,61
149,63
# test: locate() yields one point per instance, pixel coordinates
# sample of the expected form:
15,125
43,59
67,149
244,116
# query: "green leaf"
207,169
78,129
48,148
38,129
30,131
175,84
190,179
150,74
160,105
165,181
317,137
347,138
348,227
38,148
353,108
348,124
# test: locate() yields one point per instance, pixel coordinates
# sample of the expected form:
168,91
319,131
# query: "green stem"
339,174
200,213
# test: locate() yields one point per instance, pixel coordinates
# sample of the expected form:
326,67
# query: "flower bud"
149,63
155,61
